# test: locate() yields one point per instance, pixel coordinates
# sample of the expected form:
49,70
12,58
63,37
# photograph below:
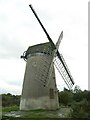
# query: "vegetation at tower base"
77,101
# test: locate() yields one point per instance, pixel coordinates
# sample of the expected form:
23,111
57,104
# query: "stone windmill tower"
39,86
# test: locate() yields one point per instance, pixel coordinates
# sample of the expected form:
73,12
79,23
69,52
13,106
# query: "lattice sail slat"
64,71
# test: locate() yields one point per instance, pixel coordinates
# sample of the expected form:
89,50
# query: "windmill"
39,86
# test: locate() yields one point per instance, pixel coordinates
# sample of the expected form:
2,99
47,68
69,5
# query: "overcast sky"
19,29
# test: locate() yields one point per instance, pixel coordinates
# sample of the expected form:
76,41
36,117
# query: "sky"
19,29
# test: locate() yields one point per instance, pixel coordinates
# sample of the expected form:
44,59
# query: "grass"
35,115
38,113
10,108
37,110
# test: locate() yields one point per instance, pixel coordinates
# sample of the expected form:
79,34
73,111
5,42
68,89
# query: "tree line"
10,100
77,100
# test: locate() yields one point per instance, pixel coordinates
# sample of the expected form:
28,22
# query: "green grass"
38,113
38,110
11,108
33,115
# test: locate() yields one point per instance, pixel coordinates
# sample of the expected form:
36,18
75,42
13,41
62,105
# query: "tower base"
41,103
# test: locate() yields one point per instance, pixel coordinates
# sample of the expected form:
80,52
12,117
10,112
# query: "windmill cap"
45,48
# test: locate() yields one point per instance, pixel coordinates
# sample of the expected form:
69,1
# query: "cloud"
19,29
11,75
13,89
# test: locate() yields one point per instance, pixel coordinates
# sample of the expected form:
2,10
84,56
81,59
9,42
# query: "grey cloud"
16,82
13,92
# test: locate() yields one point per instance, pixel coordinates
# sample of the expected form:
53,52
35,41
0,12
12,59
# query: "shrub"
80,109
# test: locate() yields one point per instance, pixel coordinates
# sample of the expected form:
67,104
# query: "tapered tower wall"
36,93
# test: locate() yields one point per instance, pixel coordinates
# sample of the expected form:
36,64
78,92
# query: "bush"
65,97
80,109
10,100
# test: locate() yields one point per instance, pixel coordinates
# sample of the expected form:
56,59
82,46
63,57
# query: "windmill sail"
59,58
51,68
62,68
59,40
53,45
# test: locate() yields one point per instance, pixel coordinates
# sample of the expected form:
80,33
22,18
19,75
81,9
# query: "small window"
51,93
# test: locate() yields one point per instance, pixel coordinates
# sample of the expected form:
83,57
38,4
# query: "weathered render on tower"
35,93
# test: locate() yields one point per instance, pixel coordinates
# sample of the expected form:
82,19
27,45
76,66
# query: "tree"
77,89
65,97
